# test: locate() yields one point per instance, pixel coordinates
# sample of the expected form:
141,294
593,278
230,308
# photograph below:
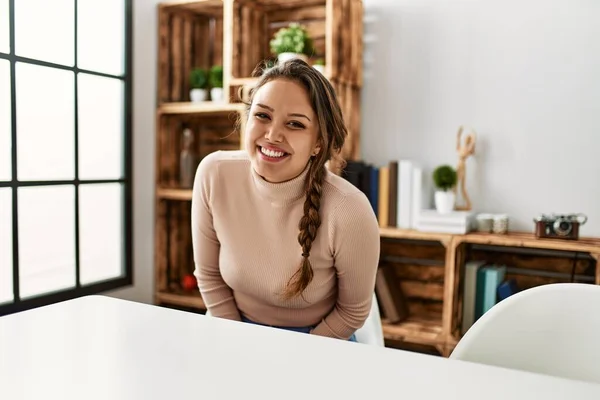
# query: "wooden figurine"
464,151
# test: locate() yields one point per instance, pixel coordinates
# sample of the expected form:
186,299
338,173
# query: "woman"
278,239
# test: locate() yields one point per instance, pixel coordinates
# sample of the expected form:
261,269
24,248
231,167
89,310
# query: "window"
65,150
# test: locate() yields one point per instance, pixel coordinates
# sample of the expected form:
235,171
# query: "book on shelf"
484,287
397,190
390,297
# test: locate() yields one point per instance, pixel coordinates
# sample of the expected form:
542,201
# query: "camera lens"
562,227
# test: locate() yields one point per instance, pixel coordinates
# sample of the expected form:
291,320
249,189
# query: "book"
390,297
489,277
469,293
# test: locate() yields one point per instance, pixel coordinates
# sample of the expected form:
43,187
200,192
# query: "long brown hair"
332,134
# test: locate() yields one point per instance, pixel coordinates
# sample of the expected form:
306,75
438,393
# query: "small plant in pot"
215,80
444,179
291,42
198,85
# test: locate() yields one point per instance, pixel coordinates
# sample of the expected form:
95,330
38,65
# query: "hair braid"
309,226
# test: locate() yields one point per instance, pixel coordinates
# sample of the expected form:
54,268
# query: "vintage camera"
559,226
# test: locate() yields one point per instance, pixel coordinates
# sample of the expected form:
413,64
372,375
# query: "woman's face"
282,130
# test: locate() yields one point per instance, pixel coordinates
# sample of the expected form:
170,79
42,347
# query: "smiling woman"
278,239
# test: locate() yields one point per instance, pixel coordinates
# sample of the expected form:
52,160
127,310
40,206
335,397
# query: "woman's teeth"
271,153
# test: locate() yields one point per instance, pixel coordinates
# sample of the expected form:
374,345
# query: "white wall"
524,74
144,95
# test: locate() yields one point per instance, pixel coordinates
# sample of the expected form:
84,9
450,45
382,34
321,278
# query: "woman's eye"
296,125
261,115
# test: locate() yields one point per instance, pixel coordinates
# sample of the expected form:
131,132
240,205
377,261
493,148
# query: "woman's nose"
274,134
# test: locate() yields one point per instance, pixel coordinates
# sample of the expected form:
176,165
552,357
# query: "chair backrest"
552,329
371,332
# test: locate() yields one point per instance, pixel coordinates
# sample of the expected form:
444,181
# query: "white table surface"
99,347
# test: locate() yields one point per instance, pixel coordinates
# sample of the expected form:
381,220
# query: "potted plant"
291,42
198,85
215,80
444,179
320,65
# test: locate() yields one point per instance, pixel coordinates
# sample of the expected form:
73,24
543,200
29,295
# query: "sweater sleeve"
217,295
354,236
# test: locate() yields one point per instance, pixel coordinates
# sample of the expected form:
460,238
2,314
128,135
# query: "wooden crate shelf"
190,34
181,299
414,330
433,286
212,131
205,108
174,194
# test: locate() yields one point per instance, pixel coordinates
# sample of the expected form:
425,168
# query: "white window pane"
45,123
6,259
98,48
100,127
100,232
45,30
5,125
4,28
46,239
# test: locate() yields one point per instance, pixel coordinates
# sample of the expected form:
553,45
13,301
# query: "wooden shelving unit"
234,34
434,291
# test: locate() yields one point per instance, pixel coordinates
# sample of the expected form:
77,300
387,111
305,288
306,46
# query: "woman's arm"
217,296
354,234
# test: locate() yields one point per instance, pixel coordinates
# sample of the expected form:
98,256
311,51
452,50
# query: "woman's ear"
316,150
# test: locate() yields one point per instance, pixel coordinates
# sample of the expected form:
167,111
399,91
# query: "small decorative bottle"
188,160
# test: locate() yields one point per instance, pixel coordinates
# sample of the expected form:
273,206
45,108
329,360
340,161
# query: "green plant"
320,61
215,76
444,177
198,78
293,39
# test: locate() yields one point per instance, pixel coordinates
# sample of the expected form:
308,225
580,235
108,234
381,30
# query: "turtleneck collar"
283,192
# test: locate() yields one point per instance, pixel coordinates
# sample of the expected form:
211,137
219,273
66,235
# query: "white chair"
552,329
371,332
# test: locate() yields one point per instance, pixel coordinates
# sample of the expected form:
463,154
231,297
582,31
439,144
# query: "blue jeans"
301,329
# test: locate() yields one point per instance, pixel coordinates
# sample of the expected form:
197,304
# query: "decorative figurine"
464,151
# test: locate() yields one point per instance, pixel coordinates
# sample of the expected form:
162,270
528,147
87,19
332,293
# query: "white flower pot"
320,68
444,201
197,95
283,57
216,94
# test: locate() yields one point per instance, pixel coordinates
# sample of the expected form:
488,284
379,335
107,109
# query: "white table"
103,348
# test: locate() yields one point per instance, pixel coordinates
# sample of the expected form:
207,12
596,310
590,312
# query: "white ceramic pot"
198,95
216,94
444,201
283,57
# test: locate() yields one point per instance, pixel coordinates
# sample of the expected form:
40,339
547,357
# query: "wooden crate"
174,257
530,262
349,97
190,34
529,267
421,264
335,27
213,131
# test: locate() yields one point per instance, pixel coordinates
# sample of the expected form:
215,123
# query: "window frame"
19,304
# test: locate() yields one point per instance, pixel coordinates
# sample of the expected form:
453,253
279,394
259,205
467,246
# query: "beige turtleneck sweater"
245,231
